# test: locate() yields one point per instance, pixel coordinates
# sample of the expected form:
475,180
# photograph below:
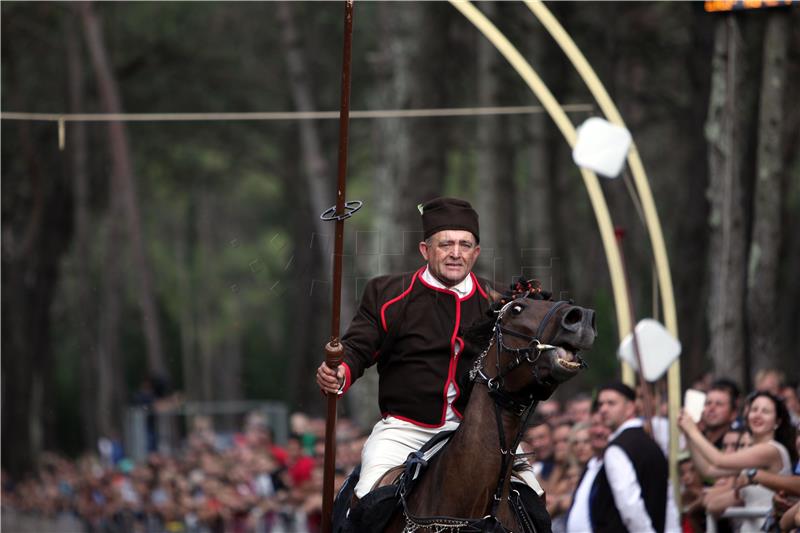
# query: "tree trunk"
689,247
37,228
790,261
727,246
764,260
80,189
316,169
108,349
125,185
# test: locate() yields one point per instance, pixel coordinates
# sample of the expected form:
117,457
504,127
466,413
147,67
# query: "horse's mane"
477,336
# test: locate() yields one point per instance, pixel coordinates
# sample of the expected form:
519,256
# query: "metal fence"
165,430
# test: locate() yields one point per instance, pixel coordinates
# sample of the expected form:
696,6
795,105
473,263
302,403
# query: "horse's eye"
517,309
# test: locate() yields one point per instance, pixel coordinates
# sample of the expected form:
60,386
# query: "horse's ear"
493,295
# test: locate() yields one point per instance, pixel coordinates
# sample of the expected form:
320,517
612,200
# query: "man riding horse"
412,325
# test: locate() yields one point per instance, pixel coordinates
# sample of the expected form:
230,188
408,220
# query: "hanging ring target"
349,209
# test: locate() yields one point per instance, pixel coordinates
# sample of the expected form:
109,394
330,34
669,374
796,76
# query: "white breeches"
390,443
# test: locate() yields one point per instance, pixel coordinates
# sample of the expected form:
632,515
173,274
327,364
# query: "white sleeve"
626,491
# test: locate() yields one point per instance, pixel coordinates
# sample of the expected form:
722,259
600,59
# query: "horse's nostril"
572,317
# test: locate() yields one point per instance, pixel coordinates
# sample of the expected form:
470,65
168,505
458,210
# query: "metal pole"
333,350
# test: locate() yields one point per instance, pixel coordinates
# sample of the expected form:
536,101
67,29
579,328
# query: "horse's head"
535,346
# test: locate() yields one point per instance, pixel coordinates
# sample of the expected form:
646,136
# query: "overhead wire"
62,118
284,115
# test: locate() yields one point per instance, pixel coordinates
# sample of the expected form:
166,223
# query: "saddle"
373,512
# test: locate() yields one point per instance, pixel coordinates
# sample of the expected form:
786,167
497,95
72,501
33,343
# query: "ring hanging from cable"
349,209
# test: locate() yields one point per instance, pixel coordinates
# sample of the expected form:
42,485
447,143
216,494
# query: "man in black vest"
630,492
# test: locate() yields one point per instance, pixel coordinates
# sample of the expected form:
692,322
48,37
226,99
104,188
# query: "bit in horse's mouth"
568,358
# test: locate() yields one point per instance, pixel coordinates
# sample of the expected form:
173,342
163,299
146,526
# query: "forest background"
192,253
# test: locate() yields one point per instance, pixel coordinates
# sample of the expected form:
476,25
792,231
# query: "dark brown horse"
533,346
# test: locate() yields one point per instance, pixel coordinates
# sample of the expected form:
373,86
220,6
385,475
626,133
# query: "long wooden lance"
341,211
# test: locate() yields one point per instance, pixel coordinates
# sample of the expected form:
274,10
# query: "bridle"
529,354
503,399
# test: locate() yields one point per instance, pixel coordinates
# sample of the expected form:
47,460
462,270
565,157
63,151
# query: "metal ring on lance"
349,209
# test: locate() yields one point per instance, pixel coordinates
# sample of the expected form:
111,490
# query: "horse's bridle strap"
548,316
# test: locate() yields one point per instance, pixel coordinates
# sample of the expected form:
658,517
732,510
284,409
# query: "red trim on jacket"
476,284
455,381
347,378
398,298
451,369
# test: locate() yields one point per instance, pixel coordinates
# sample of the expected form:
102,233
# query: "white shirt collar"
462,289
630,423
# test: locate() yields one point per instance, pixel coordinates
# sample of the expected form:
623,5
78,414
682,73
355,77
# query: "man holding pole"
411,325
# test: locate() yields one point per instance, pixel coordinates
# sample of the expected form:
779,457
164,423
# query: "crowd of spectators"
249,484
244,484
564,441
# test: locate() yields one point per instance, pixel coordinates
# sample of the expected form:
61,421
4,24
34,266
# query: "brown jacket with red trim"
416,364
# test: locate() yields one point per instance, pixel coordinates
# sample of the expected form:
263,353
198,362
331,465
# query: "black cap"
619,387
449,213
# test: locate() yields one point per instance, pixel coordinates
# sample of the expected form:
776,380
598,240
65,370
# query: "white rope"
284,115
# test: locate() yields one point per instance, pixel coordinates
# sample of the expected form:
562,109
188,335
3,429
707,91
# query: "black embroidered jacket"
413,332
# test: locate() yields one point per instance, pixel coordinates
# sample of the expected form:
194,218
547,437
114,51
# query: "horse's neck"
477,438
469,469
479,429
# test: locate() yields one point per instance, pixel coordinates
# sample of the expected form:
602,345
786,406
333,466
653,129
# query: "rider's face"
450,255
